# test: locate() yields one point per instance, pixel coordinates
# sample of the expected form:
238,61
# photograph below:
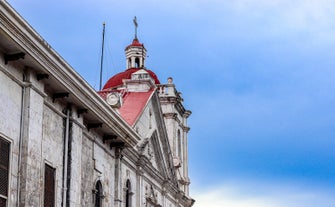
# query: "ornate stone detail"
186,129
145,148
176,162
184,181
151,197
142,145
170,115
187,113
150,152
118,152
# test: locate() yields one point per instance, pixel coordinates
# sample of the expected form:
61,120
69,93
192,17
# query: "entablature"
42,59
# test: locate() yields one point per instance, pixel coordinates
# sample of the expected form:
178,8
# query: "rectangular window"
4,171
49,186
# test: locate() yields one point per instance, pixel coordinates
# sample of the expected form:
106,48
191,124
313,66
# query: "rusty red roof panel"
133,105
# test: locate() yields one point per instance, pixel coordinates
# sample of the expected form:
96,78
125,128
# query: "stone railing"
166,90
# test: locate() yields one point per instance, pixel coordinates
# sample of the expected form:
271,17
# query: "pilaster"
31,163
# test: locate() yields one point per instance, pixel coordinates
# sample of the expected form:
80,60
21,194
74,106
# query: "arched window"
179,145
128,194
137,62
150,119
98,194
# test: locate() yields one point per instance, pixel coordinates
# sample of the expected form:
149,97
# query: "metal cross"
136,25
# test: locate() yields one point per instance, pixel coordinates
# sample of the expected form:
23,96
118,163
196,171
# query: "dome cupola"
135,54
135,57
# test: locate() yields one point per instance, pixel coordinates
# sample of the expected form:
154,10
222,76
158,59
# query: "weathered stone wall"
97,164
31,154
145,122
53,147
90,159
76,164
104,170
10,116
129,173
87,171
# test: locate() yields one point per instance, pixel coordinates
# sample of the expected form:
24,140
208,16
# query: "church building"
64,144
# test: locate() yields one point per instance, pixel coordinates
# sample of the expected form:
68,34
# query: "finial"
136,25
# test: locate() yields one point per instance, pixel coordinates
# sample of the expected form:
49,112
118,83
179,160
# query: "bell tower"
175,117
135,52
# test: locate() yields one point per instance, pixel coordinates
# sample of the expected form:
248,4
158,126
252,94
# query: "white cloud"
260,194
298,14
313,19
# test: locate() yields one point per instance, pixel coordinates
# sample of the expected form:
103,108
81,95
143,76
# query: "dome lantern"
135,54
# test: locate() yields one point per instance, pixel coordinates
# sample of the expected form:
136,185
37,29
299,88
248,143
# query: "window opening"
4,171
179,144
150,120
98,194
49,186
128,193
137,63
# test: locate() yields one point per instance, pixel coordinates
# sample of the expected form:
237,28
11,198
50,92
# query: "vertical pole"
65,157
102,54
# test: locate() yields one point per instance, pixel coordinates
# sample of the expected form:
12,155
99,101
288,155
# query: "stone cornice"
186,129
48,61
170,115
168,99
187,114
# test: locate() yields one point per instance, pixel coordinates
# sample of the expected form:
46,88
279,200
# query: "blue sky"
259,76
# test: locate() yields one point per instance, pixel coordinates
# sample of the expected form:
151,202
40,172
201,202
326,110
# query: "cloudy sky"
259,76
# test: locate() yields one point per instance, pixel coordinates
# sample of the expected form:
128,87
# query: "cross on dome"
136,25
135,62
135,52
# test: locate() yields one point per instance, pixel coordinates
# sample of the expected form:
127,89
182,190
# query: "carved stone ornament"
145,148
142,145
151,197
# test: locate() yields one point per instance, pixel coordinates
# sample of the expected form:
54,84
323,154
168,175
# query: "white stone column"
139,186
31,176
118,178
141,62
132,62
76,151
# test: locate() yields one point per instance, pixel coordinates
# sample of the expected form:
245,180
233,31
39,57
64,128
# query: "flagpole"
102,54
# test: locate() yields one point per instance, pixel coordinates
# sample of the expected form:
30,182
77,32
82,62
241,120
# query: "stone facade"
55,123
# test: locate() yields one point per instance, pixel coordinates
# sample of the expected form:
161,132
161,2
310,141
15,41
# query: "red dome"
117,79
